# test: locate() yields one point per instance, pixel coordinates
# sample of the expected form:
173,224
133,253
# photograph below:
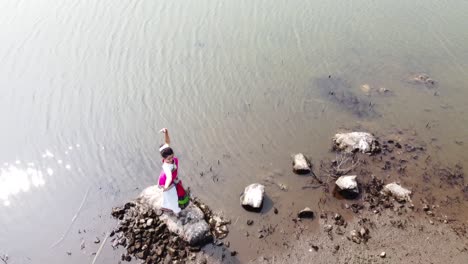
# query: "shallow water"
86,85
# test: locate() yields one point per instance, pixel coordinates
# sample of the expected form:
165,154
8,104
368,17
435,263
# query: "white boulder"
400,193
190,225
347,183
300,164
355,141
252,198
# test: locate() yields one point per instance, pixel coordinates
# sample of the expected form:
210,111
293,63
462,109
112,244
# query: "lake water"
86,85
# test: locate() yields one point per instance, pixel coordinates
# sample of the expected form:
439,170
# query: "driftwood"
100,248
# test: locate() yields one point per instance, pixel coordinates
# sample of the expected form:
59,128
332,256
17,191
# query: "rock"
327,228
422,79
250,222
355,141
195,231
233,253
355,237
306,213
300,164
363,232
365,88
275,210
336,216
401,194
97,241
347,186
141,255
426,207
383,254
336,248
149,222
383,90
252,198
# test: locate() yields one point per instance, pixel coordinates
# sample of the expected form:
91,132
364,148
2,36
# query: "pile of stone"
146,237
154,237
218,225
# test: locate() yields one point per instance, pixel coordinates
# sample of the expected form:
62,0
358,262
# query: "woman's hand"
167,140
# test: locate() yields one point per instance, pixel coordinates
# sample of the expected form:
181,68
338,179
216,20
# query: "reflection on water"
21,176
15,179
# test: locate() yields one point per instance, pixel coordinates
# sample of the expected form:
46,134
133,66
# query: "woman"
174,195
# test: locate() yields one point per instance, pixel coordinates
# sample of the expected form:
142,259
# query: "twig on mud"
342,161
73,220
100,248
312,186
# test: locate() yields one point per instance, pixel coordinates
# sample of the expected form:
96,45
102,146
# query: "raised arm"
167,140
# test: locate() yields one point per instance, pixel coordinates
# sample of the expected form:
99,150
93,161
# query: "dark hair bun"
166,152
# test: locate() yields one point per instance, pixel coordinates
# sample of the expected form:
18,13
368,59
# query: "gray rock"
190,225
300,164
355,141
383,254
398,192
306,213
252,198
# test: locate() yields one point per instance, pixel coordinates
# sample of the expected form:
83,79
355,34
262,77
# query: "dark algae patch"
339,92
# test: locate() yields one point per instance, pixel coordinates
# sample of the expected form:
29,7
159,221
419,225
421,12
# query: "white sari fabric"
171,200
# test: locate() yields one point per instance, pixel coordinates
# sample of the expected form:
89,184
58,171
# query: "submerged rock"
190,225
300,164
252,198
401,194
340,92
356,141
422,79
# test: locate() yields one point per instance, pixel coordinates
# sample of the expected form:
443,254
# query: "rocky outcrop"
190,225
252,198
356,141
300,164
146,238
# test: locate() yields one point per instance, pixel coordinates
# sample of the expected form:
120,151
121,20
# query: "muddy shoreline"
370,228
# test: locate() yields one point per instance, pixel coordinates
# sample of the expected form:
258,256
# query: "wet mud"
374,227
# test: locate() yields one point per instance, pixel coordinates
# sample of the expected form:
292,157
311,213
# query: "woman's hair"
166,152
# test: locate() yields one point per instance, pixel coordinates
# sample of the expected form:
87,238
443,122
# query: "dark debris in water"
339,92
